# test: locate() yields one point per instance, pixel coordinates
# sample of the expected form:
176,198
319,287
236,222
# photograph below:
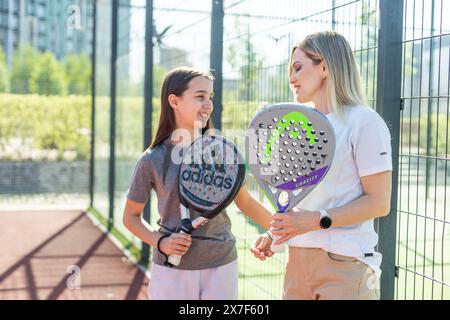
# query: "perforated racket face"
211,173
291,151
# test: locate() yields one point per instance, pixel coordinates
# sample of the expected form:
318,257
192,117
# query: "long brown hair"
176,82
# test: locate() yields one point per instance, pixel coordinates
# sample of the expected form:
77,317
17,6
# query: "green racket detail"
290,147
290,120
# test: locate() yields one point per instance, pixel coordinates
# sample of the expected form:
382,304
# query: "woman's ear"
173,101
324,70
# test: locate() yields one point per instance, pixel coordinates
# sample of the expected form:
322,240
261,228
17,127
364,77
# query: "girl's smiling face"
193,108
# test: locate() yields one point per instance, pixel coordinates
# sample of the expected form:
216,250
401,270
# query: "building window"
41,10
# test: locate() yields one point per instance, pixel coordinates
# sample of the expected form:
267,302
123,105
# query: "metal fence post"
431,92
333,16
148,107
388,106
93,93
112,122
216,57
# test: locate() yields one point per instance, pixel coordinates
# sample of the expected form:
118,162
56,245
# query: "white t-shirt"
363,147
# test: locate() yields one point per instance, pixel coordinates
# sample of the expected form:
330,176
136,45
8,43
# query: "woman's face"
194,107
307,80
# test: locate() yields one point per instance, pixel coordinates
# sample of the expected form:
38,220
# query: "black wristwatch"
325,220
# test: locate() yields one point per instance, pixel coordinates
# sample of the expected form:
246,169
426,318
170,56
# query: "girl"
330,234
208,268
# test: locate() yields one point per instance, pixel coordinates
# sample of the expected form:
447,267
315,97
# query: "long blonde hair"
344,85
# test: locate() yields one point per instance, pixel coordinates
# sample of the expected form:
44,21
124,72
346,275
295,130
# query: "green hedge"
63,123
44,123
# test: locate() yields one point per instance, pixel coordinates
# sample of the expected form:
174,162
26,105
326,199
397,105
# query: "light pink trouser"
219,283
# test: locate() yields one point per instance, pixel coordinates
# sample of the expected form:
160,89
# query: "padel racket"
211,175
290,148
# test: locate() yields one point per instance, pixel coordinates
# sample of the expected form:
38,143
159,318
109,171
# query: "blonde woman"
331,234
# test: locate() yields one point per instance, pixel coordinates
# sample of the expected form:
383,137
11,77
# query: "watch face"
325,222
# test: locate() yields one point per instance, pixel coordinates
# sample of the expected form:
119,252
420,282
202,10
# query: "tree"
24,61
48,77
4,77
242,56
136,89
78,74
158,76
279,84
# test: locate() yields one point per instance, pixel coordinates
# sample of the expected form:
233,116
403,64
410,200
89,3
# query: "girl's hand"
261,247
176,244
294,222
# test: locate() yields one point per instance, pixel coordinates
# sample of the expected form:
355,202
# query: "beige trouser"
314,274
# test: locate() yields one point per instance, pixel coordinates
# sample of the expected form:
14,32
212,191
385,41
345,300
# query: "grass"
257,279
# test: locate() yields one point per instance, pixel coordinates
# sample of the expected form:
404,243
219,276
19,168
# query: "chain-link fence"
45,103
423,236
46,94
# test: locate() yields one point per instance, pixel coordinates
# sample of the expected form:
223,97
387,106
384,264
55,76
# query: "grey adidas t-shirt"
213,244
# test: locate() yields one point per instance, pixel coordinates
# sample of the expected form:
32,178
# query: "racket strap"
166,229
186,226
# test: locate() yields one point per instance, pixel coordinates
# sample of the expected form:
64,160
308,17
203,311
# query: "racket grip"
175,259
278,248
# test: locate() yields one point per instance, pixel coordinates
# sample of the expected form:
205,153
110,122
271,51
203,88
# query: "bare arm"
374,203
177,243
132,221
253,208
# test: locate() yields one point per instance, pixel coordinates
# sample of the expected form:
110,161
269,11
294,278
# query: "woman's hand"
177,244
294,222
261,247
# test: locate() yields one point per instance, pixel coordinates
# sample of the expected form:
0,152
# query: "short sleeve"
371,142
141,182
